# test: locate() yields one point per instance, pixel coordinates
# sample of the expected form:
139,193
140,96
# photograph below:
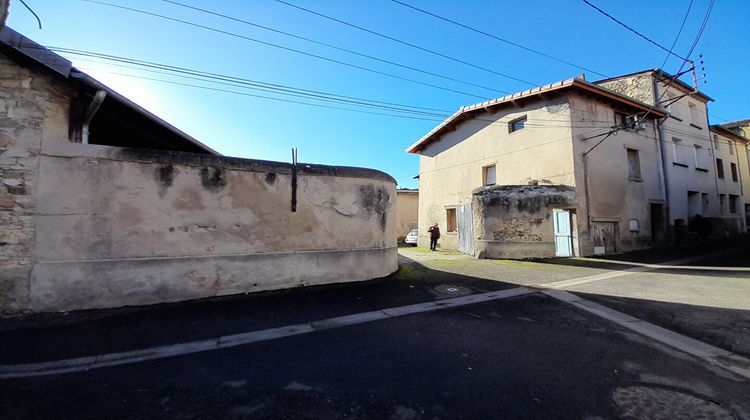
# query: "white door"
563,236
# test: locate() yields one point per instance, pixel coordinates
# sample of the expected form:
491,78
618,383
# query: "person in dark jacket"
434,231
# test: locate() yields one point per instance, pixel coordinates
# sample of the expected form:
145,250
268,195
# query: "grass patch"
407,272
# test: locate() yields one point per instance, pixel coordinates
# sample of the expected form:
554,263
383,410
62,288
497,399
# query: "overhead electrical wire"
679,32
278,31
402,42
624,25
234,81
495,37
270,44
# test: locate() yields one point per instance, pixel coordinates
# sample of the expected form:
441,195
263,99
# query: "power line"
402,42
298,92
495,37
234,79
278,31
270,44
669,51
679,32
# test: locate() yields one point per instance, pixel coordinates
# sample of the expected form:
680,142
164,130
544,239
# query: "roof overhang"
574,84
728,133
62,67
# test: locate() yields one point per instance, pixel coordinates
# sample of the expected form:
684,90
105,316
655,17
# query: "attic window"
517,124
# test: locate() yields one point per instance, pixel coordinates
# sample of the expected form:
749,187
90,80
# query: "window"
732,204
451,220
720,168
694,119
488,175
621,120
517,124
678,155
717,144
634,165
701,157
722,203
733,168
731,148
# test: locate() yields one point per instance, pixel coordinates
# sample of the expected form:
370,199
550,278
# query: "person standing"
434,231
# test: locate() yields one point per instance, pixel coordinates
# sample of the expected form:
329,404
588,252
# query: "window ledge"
701,169
635,179
696,126
679,164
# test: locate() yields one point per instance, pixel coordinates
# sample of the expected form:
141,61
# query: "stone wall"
517,221
33,108
118,227
639,87
88,226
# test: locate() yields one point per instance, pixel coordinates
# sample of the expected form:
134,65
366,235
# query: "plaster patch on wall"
165,177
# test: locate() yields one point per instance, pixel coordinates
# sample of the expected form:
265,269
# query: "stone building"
103,204
639,171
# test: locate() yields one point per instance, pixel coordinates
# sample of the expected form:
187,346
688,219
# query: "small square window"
621,120
489,175
450,220
517,124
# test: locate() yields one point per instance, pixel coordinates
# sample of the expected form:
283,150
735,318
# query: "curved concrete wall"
119,227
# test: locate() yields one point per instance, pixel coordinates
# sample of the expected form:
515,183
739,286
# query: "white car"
411,237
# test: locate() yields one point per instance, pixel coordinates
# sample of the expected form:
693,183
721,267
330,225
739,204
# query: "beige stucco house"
571,168
407,212
103,204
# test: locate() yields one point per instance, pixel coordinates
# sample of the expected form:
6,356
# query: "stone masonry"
28,102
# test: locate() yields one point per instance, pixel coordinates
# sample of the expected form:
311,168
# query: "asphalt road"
530,356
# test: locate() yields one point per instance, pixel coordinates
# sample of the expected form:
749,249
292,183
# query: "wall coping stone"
77,150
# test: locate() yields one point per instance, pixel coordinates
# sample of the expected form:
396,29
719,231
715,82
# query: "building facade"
639,171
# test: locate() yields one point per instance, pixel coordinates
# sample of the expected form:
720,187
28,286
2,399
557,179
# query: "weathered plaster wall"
33,110
451,168
131,227
407,212
730,150
613,197
517,221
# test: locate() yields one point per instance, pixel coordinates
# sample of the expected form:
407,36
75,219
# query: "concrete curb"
121,358
712,354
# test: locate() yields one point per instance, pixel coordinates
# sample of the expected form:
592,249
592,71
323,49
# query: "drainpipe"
664,167
89,114
665,171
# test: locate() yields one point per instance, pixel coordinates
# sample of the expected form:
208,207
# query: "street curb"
86,363
712,354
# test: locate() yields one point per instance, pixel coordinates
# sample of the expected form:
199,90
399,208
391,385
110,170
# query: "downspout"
665,172
89,114
664,167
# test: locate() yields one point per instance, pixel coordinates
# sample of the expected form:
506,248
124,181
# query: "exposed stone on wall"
28,102
508,214
640,87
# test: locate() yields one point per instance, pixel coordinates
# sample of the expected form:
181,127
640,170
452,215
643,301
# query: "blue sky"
244,126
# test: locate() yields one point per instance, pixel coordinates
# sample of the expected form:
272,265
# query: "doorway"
465,229
657,222
563,234
605,237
